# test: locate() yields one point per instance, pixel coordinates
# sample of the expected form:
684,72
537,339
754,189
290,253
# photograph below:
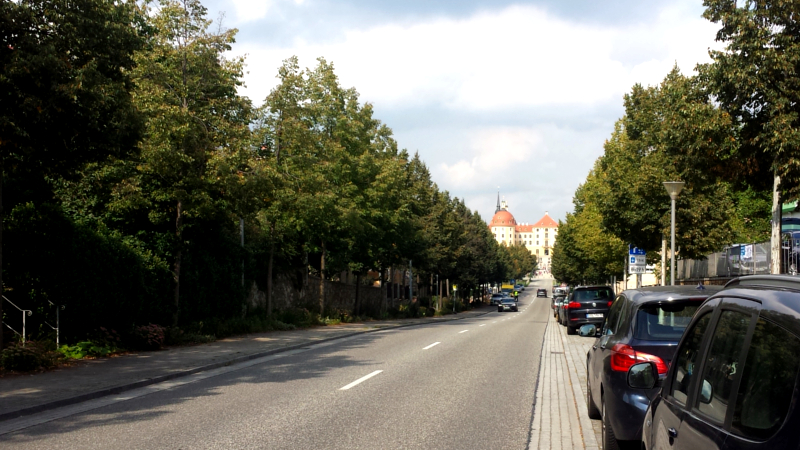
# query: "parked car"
507,304
496,298
733,383
557,295
587,304
519,287
541,292
642,325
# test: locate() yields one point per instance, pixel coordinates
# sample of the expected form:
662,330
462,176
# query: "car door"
703,414
704,425
670,411
768,390
598,351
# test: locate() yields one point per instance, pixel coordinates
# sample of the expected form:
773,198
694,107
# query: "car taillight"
573,305
624,356
610,302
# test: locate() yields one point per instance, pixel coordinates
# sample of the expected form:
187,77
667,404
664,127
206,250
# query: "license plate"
594,316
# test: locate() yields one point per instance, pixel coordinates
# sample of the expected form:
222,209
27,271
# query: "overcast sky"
516,94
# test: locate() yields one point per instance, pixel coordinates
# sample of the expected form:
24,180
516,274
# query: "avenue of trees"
131,168
731,133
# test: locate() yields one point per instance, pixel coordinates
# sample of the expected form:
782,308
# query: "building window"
537,243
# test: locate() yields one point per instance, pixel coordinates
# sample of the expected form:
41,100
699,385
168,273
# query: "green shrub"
87,348
176,336
34,355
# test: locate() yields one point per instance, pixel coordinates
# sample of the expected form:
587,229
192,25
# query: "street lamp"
673,189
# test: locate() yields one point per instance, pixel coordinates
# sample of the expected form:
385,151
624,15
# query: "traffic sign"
637,260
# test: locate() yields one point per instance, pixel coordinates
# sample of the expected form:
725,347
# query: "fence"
744,259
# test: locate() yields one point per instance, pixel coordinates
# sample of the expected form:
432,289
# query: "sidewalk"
29,394
560,418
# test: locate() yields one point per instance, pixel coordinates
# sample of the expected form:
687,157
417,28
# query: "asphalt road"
467,384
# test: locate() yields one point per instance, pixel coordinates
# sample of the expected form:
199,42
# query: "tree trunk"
391,286
403,292
269,279
384,292
775,238
177,266
357,309
322,282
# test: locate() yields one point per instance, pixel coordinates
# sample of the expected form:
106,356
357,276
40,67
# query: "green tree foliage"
145,159
64,92
756,80
584,252
669,132
196,126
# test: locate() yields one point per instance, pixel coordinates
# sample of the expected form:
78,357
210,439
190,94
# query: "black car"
733,383
642,325
541,292
507,304
587,304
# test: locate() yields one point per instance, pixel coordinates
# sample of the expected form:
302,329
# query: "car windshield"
593,294
664,322
508,300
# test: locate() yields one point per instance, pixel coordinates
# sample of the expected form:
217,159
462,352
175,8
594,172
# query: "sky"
519,95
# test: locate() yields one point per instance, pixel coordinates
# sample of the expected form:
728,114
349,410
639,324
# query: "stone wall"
303,292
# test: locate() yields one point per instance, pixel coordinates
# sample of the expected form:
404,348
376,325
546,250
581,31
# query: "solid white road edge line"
360,380
462,331
432,345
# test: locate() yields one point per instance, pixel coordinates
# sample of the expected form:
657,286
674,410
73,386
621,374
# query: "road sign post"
637,260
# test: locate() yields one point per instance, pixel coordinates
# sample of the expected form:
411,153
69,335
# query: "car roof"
667,293
598,286
779,296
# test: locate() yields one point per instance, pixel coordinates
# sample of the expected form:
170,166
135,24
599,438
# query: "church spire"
498,201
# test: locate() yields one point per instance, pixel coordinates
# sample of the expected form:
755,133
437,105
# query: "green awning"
789,207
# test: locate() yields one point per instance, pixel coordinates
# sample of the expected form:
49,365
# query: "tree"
756,80
197,125
64,90
669,132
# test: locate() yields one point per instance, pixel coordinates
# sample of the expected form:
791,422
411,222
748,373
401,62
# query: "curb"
184,373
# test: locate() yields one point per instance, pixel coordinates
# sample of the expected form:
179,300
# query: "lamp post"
673,189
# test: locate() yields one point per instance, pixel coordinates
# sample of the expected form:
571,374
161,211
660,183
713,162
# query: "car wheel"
571,330
594,413
609,440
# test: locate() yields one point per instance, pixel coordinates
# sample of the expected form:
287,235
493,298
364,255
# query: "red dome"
503,219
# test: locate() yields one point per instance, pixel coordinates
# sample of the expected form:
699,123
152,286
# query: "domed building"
538,238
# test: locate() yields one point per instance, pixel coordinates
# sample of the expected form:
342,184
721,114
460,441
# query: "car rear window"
664,322
588,295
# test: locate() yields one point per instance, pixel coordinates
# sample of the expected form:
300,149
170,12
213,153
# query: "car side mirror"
588,330
706,392
643,375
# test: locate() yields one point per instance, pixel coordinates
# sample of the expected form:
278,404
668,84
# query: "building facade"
538,238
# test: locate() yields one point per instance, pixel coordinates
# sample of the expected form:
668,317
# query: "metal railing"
742,259
24,311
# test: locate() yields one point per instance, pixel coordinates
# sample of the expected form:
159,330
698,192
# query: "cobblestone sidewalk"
560,418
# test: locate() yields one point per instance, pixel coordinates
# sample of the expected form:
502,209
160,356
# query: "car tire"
594,413
609,439
571,330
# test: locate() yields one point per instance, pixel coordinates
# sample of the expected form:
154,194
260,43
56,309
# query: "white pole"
672,248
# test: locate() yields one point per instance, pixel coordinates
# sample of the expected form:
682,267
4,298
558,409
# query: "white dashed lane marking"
360,380
464,331
432,345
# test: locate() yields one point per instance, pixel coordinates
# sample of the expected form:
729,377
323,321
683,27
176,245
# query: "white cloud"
516,57
490,153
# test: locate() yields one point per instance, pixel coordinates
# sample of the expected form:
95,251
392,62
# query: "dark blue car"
642,325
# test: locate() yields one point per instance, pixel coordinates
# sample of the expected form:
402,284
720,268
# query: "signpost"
637,260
